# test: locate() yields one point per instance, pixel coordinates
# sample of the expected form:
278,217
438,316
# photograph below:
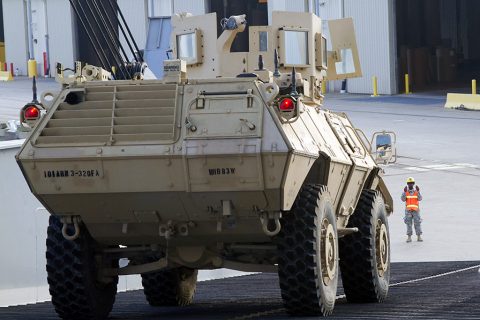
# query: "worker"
411,196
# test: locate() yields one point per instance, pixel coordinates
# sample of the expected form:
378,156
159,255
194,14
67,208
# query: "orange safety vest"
411,201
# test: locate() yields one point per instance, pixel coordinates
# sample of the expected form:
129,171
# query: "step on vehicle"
230,161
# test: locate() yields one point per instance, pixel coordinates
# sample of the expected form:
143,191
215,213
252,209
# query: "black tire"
364,259
170,286
308,277
72,276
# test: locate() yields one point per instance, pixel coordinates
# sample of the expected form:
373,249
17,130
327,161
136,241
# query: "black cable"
103,34
112,27
108,65
101,59
114,47
118,63
124,33
128,30
89,28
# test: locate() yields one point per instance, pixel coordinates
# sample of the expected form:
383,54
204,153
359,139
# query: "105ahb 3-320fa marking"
91,173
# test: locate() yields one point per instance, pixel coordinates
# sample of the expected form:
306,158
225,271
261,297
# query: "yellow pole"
32,68
407,84
474,87
324,86
375,86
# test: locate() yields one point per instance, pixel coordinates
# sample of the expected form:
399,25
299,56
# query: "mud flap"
387,197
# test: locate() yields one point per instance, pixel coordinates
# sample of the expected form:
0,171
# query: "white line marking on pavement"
342,296
416,169
425,278
434,276
467,165
442,167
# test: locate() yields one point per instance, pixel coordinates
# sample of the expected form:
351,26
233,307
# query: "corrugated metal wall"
195,7
61,34
287,5
15,24
60,31
165,8
376,39
159,8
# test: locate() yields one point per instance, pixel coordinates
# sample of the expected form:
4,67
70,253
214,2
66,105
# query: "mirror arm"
363,138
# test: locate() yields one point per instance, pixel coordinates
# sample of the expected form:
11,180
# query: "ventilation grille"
114,115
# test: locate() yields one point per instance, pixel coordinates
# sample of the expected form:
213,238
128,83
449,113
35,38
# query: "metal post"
474,87
30,30
151,12
324,86
375,86
344,61
31,64
407,84
47,41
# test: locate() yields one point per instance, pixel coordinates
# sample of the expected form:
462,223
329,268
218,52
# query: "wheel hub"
328,252
382,247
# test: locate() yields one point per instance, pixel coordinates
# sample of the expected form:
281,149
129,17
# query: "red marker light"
32,113
286,104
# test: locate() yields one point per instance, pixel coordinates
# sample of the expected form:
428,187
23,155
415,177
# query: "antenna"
294,92
276,74
34,89
260,62
169,53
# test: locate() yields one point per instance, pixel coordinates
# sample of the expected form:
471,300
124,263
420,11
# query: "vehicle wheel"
308,254
365,255
72,276
170,286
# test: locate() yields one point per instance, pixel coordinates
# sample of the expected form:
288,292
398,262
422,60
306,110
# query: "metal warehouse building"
431,40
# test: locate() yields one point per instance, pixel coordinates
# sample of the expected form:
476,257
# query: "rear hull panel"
130,157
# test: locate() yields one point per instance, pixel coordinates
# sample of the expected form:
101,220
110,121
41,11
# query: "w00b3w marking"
221,171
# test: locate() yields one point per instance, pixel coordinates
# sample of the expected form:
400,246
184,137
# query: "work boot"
419,238
409,238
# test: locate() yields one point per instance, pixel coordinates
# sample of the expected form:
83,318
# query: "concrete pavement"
439,148
442,290
15,94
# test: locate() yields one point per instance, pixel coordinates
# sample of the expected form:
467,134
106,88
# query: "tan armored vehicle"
230,161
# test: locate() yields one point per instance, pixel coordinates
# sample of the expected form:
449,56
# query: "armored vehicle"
230,161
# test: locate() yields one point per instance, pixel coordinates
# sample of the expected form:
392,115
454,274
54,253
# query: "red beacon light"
31,113
286,104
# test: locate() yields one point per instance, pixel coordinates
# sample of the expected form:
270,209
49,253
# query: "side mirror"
384,147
